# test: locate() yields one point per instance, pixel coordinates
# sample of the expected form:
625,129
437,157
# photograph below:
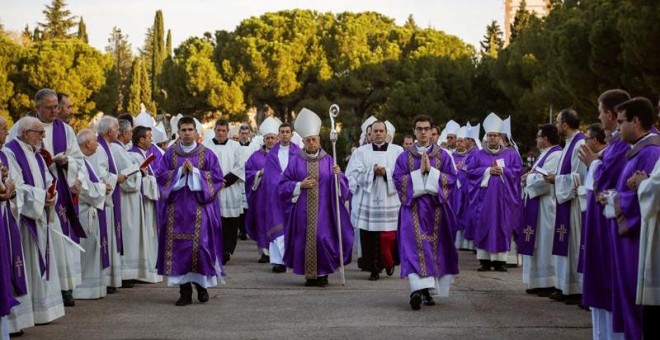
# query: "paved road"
257,304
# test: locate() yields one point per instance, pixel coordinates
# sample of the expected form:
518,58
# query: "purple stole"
103,223
64,208
116,195
15,251
563,218
31,225
527,237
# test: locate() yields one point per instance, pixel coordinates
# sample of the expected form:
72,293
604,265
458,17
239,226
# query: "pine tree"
26,36
520,20
120,49
158,53
410,23
145,89
133,96
59,21
493,41
82,31
36,36
168,45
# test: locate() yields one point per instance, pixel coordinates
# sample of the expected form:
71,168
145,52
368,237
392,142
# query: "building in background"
539,7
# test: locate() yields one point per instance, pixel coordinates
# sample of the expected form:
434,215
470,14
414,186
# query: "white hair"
124,126
43,93
85,135
25,123
105,124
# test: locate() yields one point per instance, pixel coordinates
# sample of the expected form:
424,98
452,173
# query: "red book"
52,187
47,156
147,161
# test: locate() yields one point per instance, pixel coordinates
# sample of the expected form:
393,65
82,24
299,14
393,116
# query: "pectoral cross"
562,231
19,265
378,200
528,233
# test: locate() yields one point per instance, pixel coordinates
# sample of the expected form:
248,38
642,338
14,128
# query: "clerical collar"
285,146
244,144
461,153
188,148
382,147
313,155
640,139
215,141
421,148
499,147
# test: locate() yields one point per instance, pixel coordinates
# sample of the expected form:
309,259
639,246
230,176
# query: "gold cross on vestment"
528,233
104,245
19,265
562,231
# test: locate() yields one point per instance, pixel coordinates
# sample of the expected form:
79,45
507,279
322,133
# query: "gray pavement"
256,304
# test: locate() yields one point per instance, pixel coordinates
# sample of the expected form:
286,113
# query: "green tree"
145,89
120,50
26,36
493,41
168,44
82,31
520,20
59,20
158,52
9,53
133,97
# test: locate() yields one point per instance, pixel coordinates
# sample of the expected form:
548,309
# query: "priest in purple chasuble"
635,118
425,176
276,162
495,174
33,208
535,236
256,216
190,236
308,187
466,218
91,202
464,148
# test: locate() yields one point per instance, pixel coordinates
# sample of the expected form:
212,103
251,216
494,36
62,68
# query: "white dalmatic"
43,302
568,280
538,269
91,202
148,251
229,155
648,276
132,214
378,206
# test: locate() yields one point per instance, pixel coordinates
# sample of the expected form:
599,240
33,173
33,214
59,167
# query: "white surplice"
538,269
568,280
648,276
229,155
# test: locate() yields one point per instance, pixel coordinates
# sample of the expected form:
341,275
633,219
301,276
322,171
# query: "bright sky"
466,19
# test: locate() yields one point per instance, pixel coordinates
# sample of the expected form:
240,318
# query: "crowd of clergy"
83,214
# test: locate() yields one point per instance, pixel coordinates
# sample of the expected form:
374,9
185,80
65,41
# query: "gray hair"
85,135
105,124
43,93
124,126
25,123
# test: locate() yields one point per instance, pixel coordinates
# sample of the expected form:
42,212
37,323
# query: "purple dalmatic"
493,228
596,239
275,210
311,239
458,197
190,237
426,219
256,221
526,237
563,217
625,229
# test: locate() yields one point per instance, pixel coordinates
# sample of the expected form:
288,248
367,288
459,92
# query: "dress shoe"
279,268
242,236
17,334
546,292
389,271
484,266
416,300
67,298
533,291
127,283
111,290
573,299
500,267
264,259
225,258
311,282
427,299
202,293
374,277
322,281
185,295
557,296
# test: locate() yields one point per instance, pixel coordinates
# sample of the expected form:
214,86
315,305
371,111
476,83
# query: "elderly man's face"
48,109
113,132
312,143
270,140
34,135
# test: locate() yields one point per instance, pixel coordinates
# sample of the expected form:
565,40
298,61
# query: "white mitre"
307,123
493,123
270,125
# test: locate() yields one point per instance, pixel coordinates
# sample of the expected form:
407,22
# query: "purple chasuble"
274,208
311,239
563,218
427,222
13,246
15,147
527,236
64,208
256,220
596,238
625,229
116,195
458,195
190,230
103,223
7,300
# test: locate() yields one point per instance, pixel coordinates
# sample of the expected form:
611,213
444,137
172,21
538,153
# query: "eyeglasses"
41,132
425,129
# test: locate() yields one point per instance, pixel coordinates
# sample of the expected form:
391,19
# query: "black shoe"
264,259
127,283
279,268
67,298
111,290
242,236
573,299
416,300
484,266
500,266
389,271
374,277
225,258
511,265
533,291
322,281
557,296
427,299
185,295
311,282
202,293
17,334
